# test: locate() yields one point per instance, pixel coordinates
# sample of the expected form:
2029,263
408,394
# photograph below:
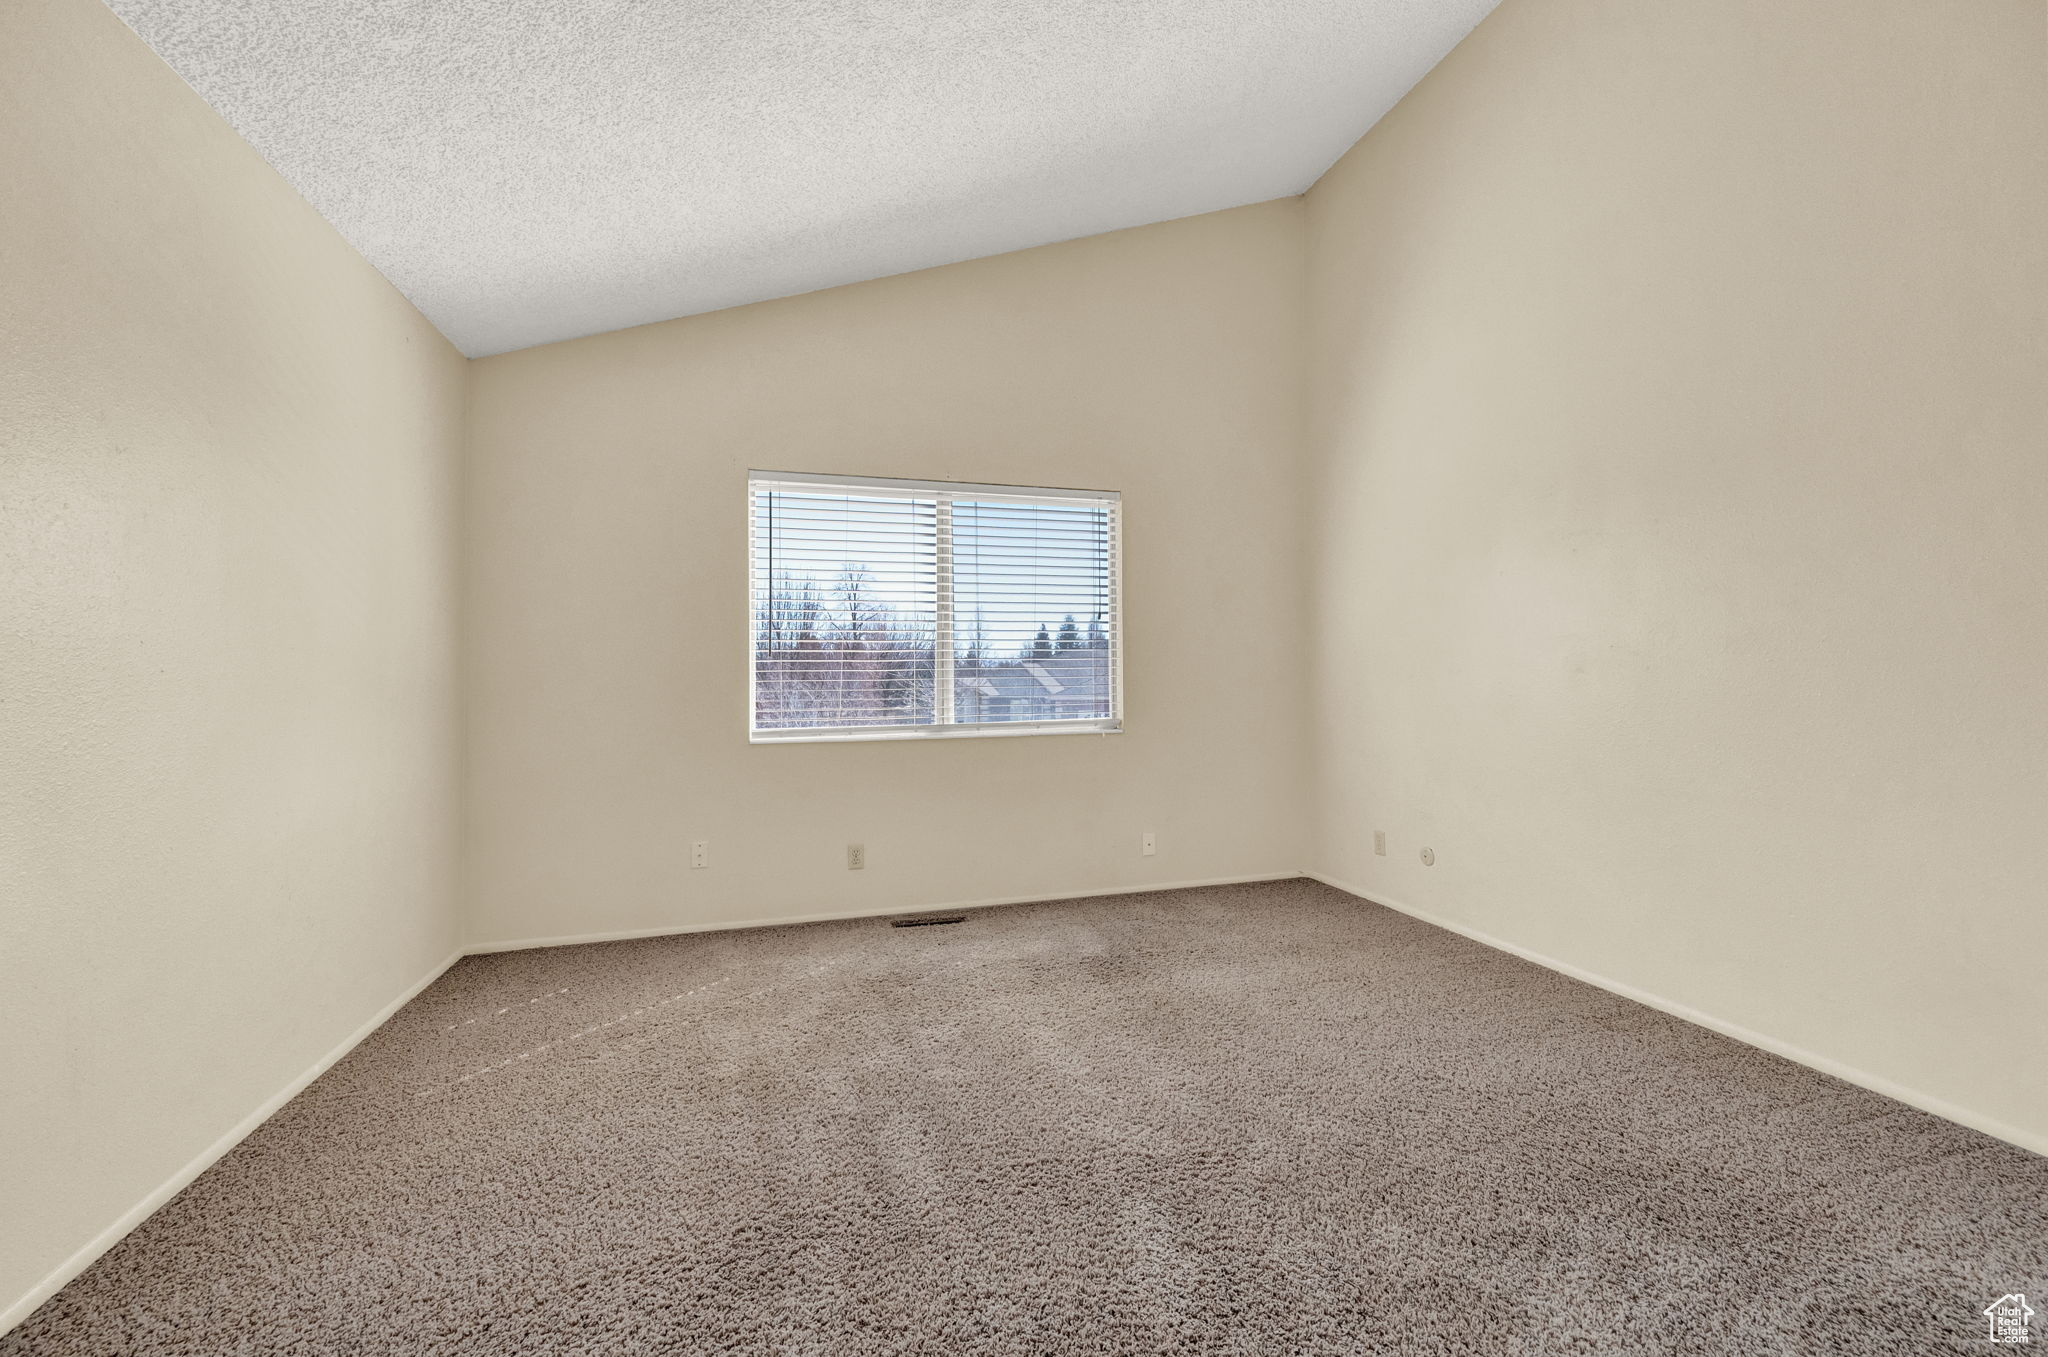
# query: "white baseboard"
1940,1107
176,1183
107,1238
874,912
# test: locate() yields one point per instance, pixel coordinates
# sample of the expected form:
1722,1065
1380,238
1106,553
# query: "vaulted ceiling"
532,170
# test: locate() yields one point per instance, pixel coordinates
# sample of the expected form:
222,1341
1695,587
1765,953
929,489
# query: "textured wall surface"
528,173
607,616
227,456
1681,477
1671,520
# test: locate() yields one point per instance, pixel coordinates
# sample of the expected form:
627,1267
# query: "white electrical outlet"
1149,844
856,857
1379,842
700,855
1429,857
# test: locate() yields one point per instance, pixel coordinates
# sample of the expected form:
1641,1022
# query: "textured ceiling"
531,170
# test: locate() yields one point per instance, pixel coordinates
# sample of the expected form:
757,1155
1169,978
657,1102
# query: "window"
885,609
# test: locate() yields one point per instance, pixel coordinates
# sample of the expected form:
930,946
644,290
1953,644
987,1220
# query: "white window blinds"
883,608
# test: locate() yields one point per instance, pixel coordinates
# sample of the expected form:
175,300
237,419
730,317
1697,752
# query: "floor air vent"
928,920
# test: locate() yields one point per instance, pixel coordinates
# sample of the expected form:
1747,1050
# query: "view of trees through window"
864,605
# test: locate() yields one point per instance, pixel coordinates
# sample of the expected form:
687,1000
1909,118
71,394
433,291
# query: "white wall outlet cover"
856,857
1379,842
1429,857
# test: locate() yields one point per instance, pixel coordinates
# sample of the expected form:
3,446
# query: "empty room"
1241,677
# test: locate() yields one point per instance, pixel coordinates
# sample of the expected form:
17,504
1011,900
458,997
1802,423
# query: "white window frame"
943,641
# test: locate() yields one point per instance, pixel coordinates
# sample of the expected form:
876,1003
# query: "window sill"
1006,730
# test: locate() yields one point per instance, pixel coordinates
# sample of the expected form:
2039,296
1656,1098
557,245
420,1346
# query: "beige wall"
226,491
1671,523
1681,492
607,609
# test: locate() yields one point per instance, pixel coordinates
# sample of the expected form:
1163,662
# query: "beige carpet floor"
1251,1120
